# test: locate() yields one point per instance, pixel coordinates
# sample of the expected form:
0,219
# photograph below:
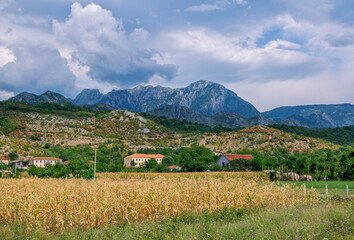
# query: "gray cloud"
272,47
343,40
36,69
98,40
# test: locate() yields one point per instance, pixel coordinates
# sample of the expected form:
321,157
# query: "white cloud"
218,5
139,34
240,2
269,56
96,39
3,4
37,68
203,8
319,89
6,56
230,51
282,44
4,95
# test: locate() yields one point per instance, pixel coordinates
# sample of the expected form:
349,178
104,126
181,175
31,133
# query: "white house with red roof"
5,160
225,159
141,159
174,168
43,161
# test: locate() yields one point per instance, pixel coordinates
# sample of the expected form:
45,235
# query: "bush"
13,155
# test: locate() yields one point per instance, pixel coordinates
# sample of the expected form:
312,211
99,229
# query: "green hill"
339,135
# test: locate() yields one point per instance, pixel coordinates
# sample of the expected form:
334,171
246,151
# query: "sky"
271,53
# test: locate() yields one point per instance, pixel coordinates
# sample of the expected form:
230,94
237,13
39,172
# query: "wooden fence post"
326,190
347,191
304,188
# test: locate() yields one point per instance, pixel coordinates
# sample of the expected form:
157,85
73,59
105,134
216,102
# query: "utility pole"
94,168
15,168
2,165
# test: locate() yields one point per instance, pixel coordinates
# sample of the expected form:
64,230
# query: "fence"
346,191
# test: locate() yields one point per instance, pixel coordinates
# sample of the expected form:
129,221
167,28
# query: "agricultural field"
159,206
335,188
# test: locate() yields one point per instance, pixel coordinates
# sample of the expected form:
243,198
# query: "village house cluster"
132,161
26,164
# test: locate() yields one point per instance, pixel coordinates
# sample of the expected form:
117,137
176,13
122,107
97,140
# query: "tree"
13,155
168,160
152,163
132,163
196,159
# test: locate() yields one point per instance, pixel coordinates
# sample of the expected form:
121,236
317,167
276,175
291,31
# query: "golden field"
60,204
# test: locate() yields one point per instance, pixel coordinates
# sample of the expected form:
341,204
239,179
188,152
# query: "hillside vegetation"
184,126
27,129
339,135
259,138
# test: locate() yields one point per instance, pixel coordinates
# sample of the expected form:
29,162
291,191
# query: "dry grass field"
57,205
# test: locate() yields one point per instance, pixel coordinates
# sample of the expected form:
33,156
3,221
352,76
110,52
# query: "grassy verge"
334,188
325,220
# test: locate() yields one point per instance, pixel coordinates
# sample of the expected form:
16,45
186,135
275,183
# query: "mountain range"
316,116
203,96
203,102
224,119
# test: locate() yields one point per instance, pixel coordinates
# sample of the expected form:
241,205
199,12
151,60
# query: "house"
42,161
174,168
240,159
141,159
19,164
5,160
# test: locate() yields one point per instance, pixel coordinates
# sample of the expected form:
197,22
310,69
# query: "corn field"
59,204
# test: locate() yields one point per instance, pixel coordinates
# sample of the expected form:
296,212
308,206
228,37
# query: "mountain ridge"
48,96
203,96
224,119
208,99
315,116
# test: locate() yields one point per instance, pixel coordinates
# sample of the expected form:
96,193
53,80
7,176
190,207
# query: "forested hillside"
339,135
28,129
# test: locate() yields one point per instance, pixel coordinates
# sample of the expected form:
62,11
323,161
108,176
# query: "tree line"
325,163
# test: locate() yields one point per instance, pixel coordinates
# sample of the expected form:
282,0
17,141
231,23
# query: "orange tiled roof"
46,158
238,156
137,155
171,167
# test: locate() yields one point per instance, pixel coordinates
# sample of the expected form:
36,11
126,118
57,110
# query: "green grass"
334,188
326,220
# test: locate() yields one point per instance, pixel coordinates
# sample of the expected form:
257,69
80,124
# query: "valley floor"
218,205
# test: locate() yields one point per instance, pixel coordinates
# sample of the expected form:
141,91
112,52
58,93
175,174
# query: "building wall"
223,161
5,161
41,163
139,161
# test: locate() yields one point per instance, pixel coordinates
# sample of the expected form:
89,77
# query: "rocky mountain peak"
203,96
88,97
201,84
48,96
23,97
